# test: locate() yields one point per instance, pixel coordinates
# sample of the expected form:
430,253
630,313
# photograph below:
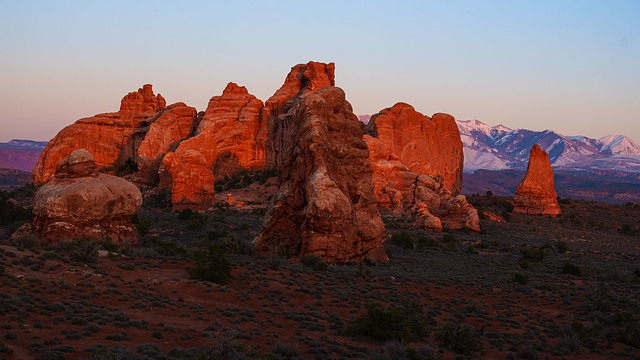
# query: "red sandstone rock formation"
274,132
426,146
190,179
425,198
111,137
536,194
225,139
173,125
325,203
80,202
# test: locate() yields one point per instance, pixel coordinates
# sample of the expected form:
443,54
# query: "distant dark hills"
20,154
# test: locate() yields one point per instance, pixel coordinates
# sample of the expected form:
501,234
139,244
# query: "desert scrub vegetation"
210,264
460,338
315,262
403,240
404,323
244,178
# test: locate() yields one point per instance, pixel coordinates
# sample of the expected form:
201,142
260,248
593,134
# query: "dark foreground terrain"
528,288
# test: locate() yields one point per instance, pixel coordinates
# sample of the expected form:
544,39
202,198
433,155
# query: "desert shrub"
404,323
238,246
561,247
11,213
315,262
164,248
143,226
160,200
448,238
129,167
530,255
571,269
520,278
26,241
627,230
627,330
636,272
84,250
286,351
460,338
403,239
427,242
210,265
363,270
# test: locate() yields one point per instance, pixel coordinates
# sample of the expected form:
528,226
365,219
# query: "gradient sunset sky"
569,66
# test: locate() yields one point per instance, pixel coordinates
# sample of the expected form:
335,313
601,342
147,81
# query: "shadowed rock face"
325,204
112,137
423,197
81,202
536,194
426,146
275,130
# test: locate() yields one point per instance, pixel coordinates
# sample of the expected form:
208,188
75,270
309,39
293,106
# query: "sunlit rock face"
422,197
81,202
113,138
417,168
225,144
536,194
325,203
426,146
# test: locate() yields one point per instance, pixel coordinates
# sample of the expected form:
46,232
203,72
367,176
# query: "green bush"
84,250
129,167
561,247
460,338
448,238
11,213
315,262
427,242
210,265
403,239
164,248
520,278
404,323
143,226
571,269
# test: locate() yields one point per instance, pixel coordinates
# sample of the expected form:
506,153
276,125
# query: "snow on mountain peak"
619,144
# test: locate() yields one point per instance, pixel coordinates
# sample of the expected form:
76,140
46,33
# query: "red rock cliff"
108,136
325,204
426,146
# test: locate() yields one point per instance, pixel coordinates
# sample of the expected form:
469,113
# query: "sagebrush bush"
404,323
84,250
460,338
315,262
210,264
403,239
520,278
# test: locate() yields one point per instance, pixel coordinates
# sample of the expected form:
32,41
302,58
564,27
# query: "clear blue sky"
570,66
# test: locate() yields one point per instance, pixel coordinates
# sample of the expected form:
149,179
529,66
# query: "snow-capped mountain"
499,147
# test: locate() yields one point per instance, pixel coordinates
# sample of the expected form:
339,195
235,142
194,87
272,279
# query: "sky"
569,66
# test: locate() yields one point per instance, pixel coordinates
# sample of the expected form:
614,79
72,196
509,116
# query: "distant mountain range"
21,154
499,148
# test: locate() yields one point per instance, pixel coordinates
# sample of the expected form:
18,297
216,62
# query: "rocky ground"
528,288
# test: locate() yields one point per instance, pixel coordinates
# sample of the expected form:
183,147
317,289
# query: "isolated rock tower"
536,194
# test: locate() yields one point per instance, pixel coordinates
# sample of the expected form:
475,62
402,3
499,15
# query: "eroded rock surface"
422,197
111,137
81,202
536,194
426,146
275,127
325,204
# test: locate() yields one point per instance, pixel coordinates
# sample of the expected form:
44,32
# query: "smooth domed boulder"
81,202
325,203
536,194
